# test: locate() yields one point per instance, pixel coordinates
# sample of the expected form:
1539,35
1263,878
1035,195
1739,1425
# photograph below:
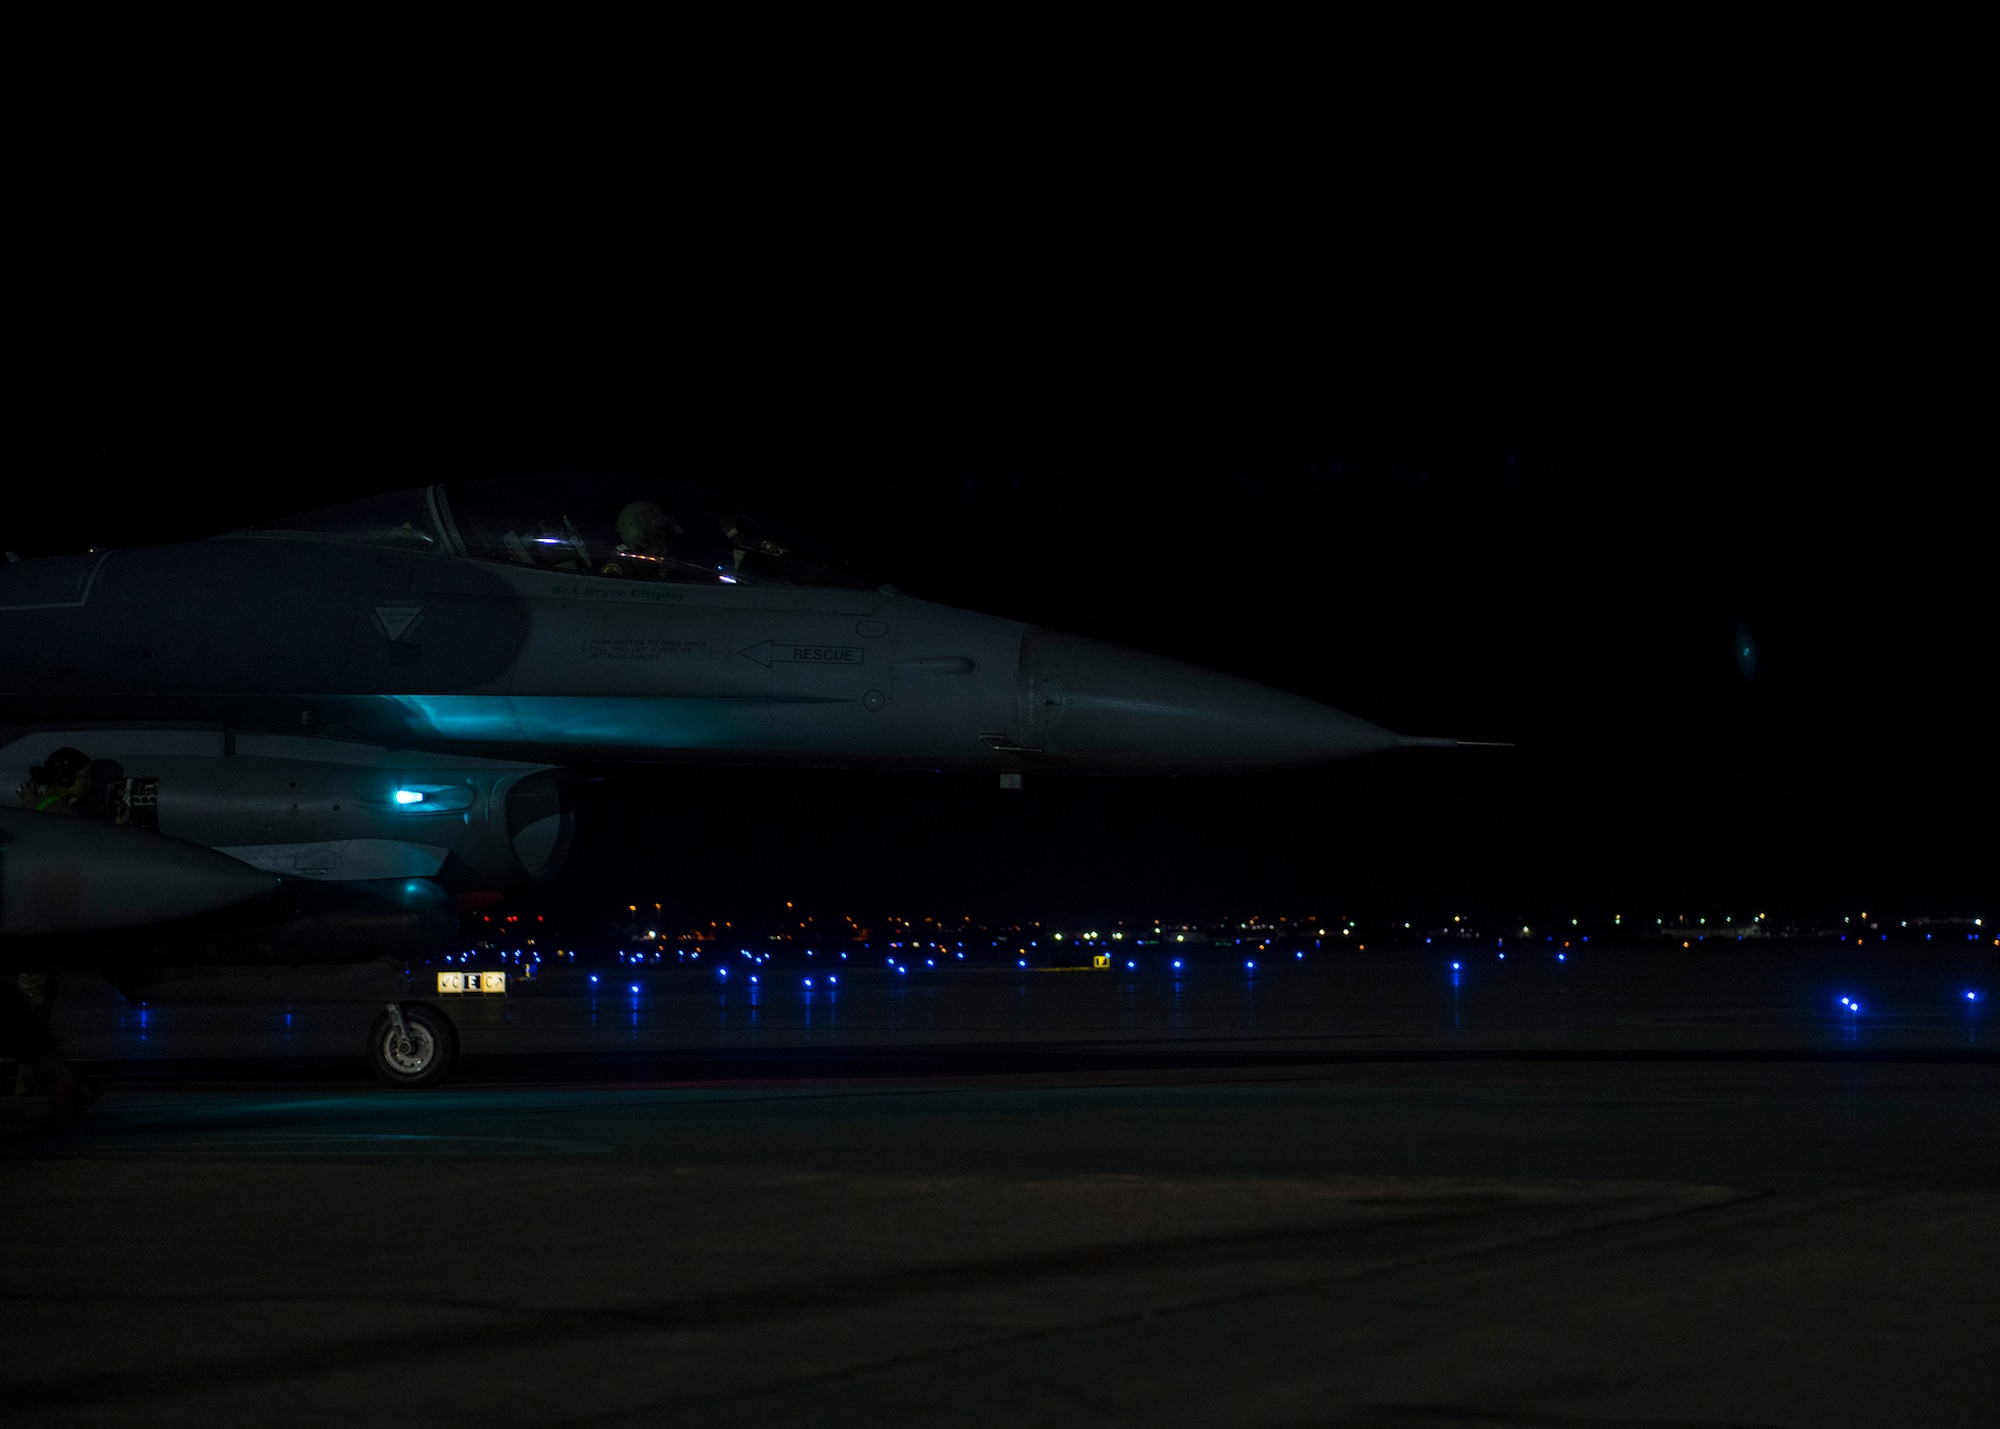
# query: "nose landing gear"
411,1046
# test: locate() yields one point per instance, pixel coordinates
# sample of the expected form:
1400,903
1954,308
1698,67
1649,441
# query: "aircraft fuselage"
445,654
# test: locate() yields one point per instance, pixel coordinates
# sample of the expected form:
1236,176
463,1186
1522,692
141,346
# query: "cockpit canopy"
626,528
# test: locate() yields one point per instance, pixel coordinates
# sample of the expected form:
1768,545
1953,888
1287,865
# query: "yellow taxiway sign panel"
461,982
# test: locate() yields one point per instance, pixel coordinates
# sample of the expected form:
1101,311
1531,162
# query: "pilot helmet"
64,766
644,525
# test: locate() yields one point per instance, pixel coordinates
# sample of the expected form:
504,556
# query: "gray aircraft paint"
269,634
282,686
67,875
330,809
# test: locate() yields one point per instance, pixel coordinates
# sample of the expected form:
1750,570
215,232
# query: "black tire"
424,1060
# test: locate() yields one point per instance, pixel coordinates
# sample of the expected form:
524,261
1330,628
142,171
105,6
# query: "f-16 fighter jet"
317,733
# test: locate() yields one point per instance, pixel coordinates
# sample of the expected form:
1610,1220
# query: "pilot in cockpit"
645,549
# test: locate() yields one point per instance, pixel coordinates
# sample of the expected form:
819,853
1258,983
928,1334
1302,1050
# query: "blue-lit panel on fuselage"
646,722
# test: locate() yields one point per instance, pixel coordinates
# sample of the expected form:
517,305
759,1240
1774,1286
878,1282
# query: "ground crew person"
64,783
25,1037
58,785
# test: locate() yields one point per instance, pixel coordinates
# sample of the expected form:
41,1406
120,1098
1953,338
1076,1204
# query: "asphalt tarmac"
1627,1188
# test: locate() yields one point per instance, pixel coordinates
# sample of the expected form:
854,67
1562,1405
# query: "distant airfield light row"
640,937
1850,1006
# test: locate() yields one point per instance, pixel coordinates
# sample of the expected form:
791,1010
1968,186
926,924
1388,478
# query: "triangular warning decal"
397,621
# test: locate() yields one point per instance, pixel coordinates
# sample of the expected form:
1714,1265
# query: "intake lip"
540,822
1103,708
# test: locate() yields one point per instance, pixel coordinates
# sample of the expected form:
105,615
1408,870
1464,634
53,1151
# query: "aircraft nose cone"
1104,708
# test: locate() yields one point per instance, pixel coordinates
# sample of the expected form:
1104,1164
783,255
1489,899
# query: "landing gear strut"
412,1046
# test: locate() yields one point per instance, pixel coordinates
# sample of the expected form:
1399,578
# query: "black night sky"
1465,459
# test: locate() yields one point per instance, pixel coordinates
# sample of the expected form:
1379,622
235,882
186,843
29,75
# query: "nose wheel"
412,1046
